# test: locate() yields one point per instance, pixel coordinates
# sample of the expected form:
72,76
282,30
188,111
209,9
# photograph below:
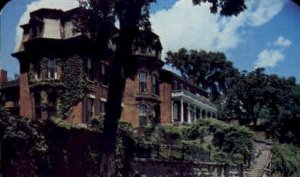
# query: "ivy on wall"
75,81
31,72
44,67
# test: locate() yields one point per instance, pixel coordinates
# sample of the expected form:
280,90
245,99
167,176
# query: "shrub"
286,160
233,142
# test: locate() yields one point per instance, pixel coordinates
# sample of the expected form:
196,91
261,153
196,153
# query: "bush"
286,160
57,148
233,140
165,134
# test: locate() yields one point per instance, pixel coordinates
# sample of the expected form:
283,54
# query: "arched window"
142,114
143,82
155,85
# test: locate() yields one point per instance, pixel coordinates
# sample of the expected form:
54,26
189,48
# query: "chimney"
3,77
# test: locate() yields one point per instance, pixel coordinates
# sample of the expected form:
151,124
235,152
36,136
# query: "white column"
181,111
200,111
172,111
195,114
189,114
206,116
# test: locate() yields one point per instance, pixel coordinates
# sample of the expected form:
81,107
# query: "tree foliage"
211,70
257,95
225,7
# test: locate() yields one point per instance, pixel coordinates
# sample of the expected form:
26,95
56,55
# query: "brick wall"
130,111
76,115
26,106
165,106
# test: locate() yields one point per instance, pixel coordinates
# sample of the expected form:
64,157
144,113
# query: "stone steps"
262,159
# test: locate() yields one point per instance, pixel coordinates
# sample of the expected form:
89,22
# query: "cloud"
269,58
264,10
194,27
282,42
55,4
185,25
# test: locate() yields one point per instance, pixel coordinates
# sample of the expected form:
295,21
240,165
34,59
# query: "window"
90,70
143,50
52,69
37,68
155,85
89,109
34,32
175,112
143,82
142,115
104,74
156,114
102,107
37,106
52,100
175,87
181,86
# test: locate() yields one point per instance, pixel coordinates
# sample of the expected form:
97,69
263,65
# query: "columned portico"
192,107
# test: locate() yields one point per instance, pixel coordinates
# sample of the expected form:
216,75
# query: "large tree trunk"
122,59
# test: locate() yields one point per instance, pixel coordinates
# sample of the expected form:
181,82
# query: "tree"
246,98
211,70
257,95
132,16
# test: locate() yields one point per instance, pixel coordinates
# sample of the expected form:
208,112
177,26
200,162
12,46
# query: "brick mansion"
153,93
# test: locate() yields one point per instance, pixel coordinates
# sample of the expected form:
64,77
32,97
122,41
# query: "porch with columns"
187,107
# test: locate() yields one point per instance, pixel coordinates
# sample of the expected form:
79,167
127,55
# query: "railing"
193,96
171,152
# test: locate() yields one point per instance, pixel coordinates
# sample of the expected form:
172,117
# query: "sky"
267,34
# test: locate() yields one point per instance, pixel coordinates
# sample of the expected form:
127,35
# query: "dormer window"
52,69
143,50
143,82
